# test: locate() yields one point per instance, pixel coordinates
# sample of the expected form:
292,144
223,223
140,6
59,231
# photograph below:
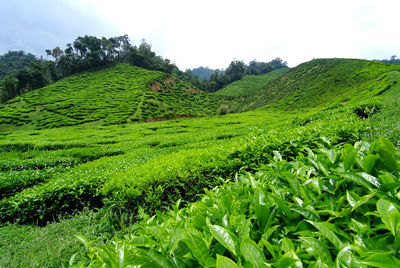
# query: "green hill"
250,84
323,81
120,94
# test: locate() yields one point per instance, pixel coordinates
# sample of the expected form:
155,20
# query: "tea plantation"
311,179
116,95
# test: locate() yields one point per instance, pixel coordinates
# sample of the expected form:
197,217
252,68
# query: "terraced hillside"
275,187
120,94
322,81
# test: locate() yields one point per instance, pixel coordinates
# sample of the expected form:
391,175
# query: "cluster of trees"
84,53
393,60
13,61
90,52
238,69
212,80
204,73
25,74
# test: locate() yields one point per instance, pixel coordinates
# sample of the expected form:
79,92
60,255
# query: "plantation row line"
152,180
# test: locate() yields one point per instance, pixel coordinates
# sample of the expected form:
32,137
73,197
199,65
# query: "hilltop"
320,82
119,94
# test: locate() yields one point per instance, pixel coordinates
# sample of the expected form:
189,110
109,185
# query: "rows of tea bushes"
159,173
330,206
115,95
322,82
40,167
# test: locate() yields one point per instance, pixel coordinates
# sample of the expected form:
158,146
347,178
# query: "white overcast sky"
211,32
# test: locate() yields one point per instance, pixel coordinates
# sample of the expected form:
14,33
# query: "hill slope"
323,81
250,84
119,94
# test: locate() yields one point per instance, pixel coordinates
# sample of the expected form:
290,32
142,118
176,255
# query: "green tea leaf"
371,179
350,155
277,156
331,154
224,262
326,229
198,248
388,159
388,145
251,252
368,163
282,206
346,259
352,198
158,259
357,179
318,249
385,209
382,260
309,215
287,245
224,237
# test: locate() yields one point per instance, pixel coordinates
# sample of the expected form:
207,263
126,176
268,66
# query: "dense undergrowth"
305,186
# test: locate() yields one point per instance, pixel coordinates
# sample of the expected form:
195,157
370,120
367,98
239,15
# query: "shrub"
223,109
367,109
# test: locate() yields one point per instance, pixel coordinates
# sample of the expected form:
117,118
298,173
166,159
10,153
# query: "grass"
97,180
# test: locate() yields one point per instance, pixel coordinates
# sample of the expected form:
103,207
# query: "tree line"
88,52
393,60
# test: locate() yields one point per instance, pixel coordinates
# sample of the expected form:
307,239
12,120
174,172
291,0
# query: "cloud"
34,26
212,33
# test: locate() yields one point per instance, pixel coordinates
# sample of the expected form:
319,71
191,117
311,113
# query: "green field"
309,179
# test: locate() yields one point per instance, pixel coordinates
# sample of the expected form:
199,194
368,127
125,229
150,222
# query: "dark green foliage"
14,61
27,79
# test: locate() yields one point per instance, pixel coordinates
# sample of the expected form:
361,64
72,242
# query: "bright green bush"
334,206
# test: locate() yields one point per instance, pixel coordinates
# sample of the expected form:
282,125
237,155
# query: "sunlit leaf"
251,252
326,230
223,236
382,260
224,262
